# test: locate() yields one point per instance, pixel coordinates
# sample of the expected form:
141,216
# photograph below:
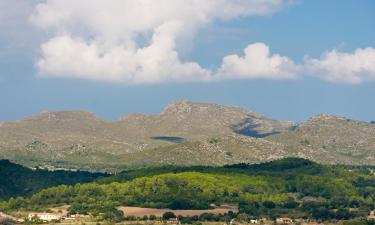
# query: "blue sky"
303,28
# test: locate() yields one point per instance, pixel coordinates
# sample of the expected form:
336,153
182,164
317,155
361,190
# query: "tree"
114,215
269,204
321,214
343,214
250,208
168,215
186,220
290,204
181,203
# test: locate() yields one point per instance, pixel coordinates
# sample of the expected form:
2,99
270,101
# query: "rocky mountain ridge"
180,134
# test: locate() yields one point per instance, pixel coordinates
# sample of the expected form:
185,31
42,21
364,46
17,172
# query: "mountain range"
184,133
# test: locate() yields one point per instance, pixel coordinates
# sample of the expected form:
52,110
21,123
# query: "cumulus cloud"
131,41
257,63
137,42
352,68
64,56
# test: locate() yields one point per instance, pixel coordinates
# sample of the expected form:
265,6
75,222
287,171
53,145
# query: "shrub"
6,221
269,204
168,215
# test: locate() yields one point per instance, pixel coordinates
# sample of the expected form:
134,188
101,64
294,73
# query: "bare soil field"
140,212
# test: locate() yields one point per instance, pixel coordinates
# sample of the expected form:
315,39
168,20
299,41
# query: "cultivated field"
140,212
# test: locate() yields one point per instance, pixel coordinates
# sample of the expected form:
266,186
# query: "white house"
284,220
44,216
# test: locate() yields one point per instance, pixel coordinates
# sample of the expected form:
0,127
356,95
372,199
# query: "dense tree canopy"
16,180
293,187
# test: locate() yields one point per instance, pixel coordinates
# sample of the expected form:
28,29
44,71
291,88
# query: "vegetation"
16,180
289,187
169,215
6,221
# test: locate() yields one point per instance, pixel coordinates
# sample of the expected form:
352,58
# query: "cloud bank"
136,42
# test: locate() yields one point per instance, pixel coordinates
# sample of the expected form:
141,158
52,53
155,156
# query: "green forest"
16,180
289,187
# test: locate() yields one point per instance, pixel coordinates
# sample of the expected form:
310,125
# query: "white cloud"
139,41
342,67
131,41
67,57
257,63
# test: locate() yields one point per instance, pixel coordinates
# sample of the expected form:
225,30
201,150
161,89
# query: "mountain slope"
213,151
82,138
331,139
184,133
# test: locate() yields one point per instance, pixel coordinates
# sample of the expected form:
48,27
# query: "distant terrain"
184,133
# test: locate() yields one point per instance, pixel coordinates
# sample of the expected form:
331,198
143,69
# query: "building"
371,217
44,216
284,220
173,221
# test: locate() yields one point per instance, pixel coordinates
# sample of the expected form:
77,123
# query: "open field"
140,212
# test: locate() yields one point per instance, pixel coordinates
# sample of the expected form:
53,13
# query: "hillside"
184,133
60,138
331,139
16,180
292,186
215,151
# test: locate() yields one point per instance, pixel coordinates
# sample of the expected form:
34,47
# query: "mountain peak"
179,106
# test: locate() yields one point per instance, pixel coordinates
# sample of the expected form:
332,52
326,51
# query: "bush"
6,221
186,220
343,214
291,204
168,215
114,215
269,204
321,214
251,208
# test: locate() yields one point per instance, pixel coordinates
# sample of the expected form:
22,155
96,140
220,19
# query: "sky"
286,59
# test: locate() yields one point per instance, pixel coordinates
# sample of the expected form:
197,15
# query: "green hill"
16,180
289,186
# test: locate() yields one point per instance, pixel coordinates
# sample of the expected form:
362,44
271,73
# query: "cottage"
44,216
173,221
284,220
371,217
